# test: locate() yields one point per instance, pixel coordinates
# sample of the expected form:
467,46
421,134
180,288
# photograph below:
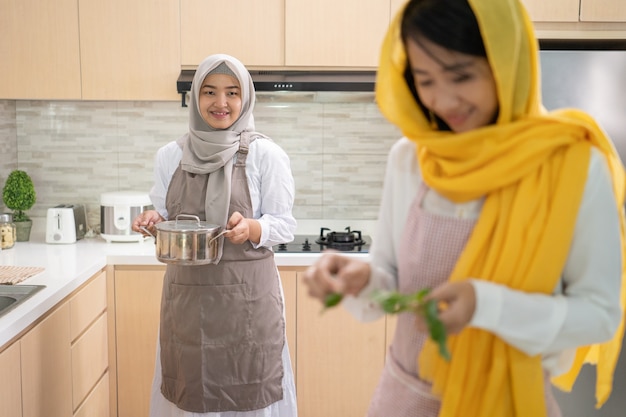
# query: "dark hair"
447,23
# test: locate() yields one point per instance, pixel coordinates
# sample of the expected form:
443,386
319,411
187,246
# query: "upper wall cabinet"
576,10
552,10
39,50
130,50
603,11
396,5
331,33
252,31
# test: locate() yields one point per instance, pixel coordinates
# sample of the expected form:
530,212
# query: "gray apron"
222,328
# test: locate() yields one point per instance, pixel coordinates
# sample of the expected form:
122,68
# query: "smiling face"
220,100
459,88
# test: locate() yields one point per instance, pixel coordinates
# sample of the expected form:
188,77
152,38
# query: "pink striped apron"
429,249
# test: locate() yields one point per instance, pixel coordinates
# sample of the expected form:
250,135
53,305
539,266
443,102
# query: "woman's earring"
432,120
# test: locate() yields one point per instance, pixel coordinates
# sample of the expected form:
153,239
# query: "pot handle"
190,216
218,235
145,229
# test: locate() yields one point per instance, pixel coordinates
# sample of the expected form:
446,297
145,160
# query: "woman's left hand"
241,229
457,301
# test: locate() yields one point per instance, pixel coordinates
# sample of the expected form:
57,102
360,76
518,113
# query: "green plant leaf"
331,300
19,194
393,302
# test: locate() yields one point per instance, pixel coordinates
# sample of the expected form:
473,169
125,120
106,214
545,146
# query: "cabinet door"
130,50
396,5
137,305
10,385
97,403
251,31
329,33
339,360
603,10
39,50
89,360
552,10
89,303
47,367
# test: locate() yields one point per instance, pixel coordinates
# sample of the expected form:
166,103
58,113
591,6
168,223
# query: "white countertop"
68,266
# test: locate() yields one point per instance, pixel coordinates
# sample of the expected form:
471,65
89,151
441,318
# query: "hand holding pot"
242,229
147,219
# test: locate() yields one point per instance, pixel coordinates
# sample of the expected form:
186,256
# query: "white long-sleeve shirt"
270,181
584,308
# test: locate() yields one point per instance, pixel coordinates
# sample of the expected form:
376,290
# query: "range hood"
296,81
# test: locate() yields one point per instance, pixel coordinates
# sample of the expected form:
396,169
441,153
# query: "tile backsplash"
76,150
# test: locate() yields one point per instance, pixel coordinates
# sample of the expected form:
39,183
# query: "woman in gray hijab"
222,349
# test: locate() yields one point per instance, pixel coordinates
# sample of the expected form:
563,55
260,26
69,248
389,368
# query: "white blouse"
584,308
270,180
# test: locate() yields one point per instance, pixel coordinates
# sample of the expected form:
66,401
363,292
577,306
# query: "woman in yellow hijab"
512,215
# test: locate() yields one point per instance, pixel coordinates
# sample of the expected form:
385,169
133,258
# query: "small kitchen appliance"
66,223
117,211
350,241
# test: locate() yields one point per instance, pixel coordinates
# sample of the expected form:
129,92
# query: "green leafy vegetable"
332,300
394,302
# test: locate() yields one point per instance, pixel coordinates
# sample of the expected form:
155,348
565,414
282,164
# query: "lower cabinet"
336,359
10,381
60,366
339,359
47,367
137,301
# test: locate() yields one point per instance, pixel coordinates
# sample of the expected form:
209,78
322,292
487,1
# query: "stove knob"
282,246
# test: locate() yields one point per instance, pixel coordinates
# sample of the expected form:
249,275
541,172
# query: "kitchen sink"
13,295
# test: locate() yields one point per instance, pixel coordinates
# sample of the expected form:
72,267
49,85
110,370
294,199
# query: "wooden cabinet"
10,381
603,11
576,10
47,367
97,402
553,10
137,305
339,359
252,31
59,367
39,47
129,50
330,33
89,346
396,5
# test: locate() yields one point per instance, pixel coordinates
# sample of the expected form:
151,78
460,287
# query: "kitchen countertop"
68,266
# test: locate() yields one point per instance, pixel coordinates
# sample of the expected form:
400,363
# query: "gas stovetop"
349,241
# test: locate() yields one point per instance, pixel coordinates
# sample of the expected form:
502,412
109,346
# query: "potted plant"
19,195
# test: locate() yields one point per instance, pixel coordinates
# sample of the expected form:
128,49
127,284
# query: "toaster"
66,223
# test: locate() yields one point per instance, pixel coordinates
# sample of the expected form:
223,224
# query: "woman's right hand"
147,219
336,273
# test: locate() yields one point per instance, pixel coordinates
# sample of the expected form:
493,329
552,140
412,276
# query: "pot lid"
187,226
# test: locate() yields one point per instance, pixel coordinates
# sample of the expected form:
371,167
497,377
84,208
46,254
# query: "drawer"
97,403
87,304
89,360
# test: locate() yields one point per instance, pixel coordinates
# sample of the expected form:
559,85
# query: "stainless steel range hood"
296,81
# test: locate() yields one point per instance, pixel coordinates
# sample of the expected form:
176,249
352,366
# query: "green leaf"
332,300
393,302
19,194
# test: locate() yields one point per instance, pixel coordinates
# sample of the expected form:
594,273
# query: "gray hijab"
207,150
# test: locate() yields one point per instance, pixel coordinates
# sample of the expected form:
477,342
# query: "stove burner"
345,241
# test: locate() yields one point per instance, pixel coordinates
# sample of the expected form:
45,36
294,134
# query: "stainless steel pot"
187,242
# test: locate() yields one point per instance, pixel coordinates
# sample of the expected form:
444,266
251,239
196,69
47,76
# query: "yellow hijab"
532,167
